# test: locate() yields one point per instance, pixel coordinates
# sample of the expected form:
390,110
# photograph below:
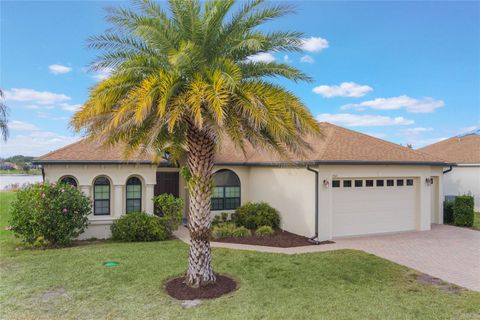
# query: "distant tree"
3,118
409,146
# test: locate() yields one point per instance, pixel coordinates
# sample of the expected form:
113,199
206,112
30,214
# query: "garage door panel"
372,210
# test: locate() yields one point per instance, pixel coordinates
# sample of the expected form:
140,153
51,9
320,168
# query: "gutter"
314,239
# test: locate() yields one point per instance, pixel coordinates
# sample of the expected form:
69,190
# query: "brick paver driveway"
446,252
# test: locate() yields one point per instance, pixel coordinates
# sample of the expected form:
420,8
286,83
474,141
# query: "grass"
21,171
476,221
71,283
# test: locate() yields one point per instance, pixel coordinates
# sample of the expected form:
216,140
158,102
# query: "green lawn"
21,171
71,283
476,221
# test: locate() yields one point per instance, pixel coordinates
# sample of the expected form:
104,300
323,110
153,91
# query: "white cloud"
345,89
59,69
422,105
419,143
102,74
50,116
353,120
415,131
23,126
286,59
71,107
307,59
35,143
38,97
470,129
262,57
314,44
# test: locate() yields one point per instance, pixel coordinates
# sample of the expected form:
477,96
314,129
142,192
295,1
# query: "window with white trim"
101,197
134,195
226,190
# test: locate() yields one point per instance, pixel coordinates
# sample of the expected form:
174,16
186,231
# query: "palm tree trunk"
201,153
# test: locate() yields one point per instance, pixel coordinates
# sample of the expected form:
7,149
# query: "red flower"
65,210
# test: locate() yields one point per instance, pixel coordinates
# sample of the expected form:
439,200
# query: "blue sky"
407,72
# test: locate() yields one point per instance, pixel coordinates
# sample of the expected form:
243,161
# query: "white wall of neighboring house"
291,190
463,179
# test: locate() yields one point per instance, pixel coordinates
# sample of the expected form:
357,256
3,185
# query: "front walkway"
445,252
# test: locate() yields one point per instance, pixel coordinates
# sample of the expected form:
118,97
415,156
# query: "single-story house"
348,184
464,178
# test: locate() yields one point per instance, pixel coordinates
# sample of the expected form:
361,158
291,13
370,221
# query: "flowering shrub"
49,214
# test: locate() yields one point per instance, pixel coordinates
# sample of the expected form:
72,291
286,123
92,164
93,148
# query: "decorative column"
149,188
85,190
118,201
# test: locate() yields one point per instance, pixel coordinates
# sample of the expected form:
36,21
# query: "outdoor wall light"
326,183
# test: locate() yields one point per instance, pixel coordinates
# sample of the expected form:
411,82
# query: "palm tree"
182,82
3,118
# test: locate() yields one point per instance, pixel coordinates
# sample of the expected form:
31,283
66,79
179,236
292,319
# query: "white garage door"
368,206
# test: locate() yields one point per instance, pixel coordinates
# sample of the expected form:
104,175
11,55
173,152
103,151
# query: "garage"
373,205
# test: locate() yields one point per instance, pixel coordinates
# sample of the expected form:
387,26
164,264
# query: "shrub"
448,211
222,218
139,226
241,232
223,230
463,213
170,210
253,215
49,214
264,231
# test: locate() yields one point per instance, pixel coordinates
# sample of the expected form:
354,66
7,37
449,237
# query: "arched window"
134,195
101,196
69,180
226,190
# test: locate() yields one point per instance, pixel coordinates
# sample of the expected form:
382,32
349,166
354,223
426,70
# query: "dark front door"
167,182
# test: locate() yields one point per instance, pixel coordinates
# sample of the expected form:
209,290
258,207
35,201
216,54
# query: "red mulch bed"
177,289
280,239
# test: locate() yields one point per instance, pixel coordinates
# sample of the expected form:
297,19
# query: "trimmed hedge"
448,211
139,226
253,215
463,211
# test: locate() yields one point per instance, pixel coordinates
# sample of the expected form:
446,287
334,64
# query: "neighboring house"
364,185
8,166
465,176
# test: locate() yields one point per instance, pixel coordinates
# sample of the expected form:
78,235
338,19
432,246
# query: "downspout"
314,239
43,174
448,170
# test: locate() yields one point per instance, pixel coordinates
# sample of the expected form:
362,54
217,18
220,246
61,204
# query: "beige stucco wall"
118,175
463,179
291,190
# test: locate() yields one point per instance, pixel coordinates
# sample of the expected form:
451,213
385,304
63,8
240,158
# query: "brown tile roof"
91,151
465,149
336,144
